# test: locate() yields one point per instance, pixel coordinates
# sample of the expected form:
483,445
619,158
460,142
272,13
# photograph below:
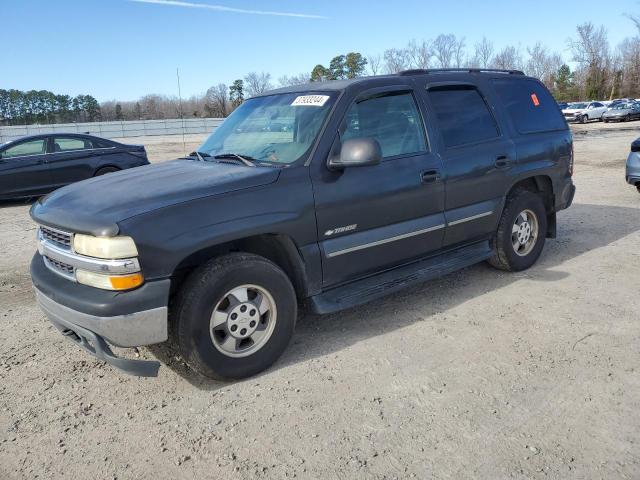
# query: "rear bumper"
564,197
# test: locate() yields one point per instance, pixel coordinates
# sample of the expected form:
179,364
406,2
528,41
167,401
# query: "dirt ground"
480,374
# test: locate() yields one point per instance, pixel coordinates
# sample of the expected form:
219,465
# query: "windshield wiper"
245,159
200,155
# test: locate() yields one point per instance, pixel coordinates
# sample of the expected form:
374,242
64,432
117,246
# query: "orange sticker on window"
534,99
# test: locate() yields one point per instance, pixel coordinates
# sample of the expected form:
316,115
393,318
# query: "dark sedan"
38,164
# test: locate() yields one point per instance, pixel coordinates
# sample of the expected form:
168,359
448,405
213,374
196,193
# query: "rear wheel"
521,232
105,170
234,316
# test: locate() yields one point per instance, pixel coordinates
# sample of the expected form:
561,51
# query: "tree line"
600,71
42,106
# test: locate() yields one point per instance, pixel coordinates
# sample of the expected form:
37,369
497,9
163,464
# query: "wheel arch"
278,248
543,186
107,165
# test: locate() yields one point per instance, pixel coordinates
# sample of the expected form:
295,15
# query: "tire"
505,256
638,188
105,170
583,119
204,346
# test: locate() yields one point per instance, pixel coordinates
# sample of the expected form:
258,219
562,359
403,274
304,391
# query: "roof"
339,85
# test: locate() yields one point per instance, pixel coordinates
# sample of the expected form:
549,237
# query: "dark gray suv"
327,195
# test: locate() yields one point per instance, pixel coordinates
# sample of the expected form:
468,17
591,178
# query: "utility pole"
184,145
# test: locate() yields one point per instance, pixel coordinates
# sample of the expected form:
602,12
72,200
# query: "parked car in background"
633,165
622,112
35,165
562,105
584,112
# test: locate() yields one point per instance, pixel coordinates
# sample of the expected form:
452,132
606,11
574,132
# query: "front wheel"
583,119
234,316
521,233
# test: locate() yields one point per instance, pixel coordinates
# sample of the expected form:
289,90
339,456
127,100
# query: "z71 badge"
346,228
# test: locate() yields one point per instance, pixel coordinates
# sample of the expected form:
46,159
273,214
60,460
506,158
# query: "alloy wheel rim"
524,232
243,321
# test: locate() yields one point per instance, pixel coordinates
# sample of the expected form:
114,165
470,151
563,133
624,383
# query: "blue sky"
125,49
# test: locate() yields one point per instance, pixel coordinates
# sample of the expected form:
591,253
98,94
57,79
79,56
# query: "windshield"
577,105
622,106
274,129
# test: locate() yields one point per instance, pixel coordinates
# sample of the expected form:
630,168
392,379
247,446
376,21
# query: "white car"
584,112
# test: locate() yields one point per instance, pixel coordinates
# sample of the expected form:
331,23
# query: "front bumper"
95,318
632,173
70,322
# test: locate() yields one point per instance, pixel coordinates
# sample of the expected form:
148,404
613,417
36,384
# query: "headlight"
104,247
109,282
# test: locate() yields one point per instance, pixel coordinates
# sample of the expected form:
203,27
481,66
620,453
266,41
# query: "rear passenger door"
477,156
71,159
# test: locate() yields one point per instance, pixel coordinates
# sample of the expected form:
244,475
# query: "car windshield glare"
276,129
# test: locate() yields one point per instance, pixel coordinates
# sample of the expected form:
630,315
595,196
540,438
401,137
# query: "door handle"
430,176
502,161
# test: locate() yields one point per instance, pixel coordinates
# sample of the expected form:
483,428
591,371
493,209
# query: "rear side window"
463,115
530,105
68,144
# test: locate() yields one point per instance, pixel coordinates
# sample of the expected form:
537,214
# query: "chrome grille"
61,267
62,239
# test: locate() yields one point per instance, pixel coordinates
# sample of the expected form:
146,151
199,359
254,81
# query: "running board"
385,283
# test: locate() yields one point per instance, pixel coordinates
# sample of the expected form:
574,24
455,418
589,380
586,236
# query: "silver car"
622,112
633,165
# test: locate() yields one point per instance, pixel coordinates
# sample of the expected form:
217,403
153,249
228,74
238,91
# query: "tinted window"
68,144
596,104
530,105
463,115
32,147
393,120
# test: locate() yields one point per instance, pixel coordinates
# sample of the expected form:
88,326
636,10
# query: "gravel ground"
480,374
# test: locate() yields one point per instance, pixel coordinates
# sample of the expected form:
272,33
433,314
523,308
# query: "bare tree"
591,51
217,101
542,64
396,60
375,64
300,79
483,52
508,58
449,51
419,54
444,50
459,53
257,83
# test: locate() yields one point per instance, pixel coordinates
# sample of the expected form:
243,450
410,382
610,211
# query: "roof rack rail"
422,71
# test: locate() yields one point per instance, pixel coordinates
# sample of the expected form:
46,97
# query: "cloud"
222,8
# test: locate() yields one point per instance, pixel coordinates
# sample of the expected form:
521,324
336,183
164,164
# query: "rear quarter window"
530,106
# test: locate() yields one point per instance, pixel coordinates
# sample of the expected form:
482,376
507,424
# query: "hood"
573,110
95,206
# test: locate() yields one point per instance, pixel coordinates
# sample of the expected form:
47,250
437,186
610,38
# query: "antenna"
184,145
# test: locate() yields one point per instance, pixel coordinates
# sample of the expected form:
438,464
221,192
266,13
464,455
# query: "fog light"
109,282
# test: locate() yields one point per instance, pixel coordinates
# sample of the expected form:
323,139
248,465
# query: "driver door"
23,169
376,217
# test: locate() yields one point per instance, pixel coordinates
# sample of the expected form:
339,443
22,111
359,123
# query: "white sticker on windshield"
310,100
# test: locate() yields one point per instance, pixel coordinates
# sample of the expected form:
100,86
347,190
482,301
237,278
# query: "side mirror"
357,152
